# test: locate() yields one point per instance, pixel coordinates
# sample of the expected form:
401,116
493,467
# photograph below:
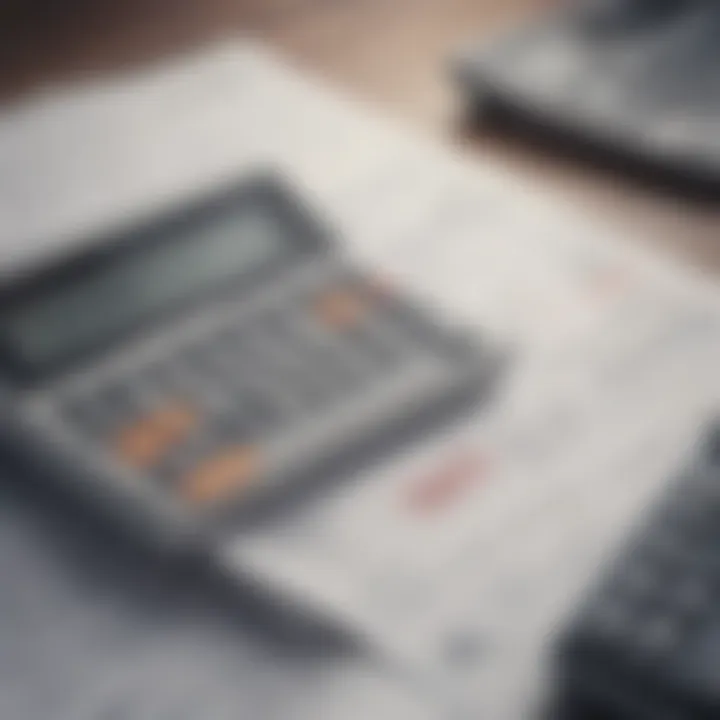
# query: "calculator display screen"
184,261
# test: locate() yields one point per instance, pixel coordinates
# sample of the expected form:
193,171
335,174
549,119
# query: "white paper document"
456,560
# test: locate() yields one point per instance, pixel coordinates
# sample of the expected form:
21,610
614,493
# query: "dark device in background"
631,82
645,644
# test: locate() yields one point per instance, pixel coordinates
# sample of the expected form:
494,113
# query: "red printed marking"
445,484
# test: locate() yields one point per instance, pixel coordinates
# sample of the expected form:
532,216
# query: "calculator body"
645,642
204,368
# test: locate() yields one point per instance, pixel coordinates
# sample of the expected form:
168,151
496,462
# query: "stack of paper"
613,371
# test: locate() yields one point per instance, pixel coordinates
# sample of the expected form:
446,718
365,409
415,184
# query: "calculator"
214,363
646,640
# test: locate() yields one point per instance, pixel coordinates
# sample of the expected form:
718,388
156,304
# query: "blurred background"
393,52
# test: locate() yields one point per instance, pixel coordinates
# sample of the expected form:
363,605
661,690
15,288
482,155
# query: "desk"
390,51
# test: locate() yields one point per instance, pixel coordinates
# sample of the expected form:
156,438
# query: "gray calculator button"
178,462
241,352
295,369
227,371
345,360
331,382
261,412
173,467
245,389
380,345
239,425
184,378
256,391
102,410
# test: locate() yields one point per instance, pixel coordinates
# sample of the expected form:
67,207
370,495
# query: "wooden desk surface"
390,51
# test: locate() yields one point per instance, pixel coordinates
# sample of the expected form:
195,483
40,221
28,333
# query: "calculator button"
258,368
350,351
100,412
253,409
341,309
381,345
222,474
148,439
185,378
307,367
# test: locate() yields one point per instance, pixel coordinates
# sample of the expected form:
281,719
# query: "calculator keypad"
212,419
661,595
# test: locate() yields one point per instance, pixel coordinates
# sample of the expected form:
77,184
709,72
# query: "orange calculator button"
146,441
341,309
226,472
